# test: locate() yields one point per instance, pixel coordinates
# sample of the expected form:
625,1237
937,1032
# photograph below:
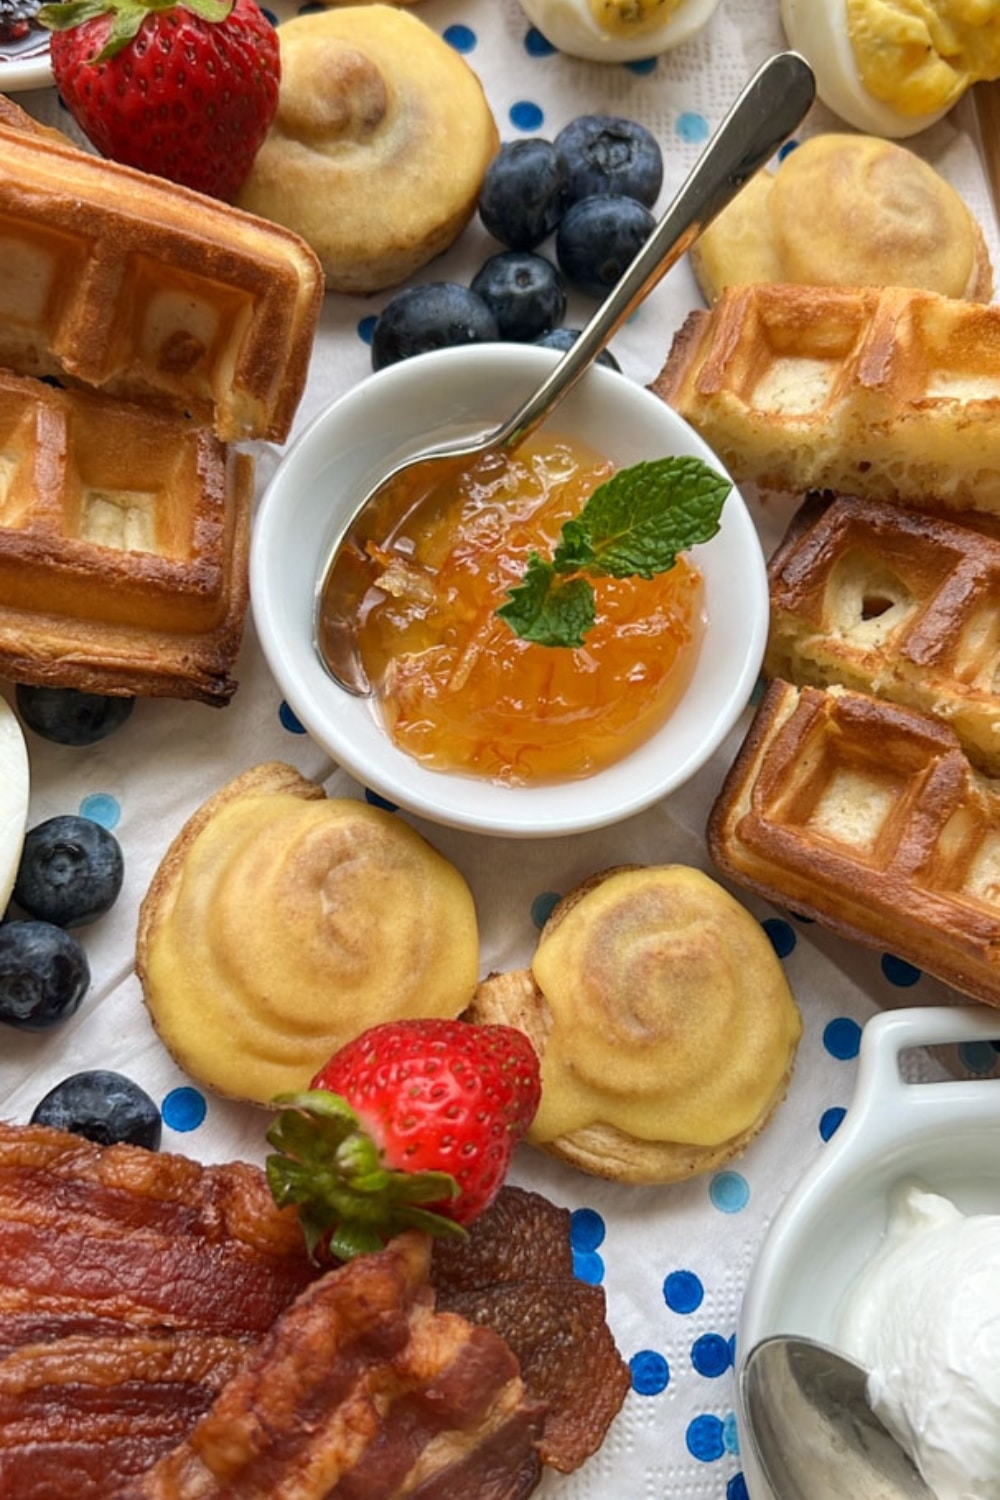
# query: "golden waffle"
124,536
867,817
891,602
889,393
148,291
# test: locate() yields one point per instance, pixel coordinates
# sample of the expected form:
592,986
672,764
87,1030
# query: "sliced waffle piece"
902,605
868,818
145,290
124,538
888,393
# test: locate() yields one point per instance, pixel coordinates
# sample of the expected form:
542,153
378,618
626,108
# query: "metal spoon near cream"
13,799
894,67
618,30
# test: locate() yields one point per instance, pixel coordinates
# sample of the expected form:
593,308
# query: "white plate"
25,64
947,1133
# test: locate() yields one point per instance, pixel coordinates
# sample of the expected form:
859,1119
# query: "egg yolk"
626,17
921,55
459,690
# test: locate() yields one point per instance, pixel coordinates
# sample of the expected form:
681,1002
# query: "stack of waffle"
143,330
867,792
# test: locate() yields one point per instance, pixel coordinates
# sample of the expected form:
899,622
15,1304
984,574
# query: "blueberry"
599,238
607,154
563,338
434,316
524,292
70,873
69,717
104,1107
44,975
524,194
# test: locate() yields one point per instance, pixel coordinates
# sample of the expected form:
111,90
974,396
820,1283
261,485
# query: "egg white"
570,26
13,799
818,30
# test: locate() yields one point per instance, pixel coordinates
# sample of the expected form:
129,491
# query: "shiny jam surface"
459,690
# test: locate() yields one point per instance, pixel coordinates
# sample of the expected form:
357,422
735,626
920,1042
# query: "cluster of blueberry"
592,187
70,873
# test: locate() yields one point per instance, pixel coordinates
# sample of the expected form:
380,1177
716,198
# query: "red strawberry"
411,1125
186,91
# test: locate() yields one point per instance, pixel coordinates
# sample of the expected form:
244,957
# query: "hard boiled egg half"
618,30
13,799
818,29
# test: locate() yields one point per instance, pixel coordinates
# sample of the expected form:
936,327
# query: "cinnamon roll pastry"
665,1025
281,923
379,147
847,210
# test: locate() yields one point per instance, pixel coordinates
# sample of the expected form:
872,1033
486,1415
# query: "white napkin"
674,1260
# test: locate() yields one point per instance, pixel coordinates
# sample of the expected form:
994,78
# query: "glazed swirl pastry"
664,1023
281,923
379,147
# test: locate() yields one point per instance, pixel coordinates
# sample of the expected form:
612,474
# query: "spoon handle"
771,106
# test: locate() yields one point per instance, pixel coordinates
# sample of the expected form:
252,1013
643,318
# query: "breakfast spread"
867,817
895,603
847,210
379,146
641,981
164,1331
261,945
921,1317
889,393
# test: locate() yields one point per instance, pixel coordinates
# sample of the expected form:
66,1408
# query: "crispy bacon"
363,1392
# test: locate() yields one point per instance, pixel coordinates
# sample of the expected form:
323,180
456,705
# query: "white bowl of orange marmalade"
470,725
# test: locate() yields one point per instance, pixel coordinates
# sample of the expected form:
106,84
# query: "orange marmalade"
459,690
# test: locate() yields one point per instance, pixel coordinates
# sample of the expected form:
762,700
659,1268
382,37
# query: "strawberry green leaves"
349,1202
633,526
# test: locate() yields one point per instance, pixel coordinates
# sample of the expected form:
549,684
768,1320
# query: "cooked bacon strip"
363,1392
515,1275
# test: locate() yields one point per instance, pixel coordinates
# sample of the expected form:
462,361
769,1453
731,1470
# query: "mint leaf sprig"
634,525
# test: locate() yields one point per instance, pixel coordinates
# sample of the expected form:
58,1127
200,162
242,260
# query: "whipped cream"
924,1318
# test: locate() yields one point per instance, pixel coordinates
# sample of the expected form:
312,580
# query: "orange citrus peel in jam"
459,689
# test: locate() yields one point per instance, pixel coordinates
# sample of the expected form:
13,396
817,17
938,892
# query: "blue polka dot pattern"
899,972
537,45
736,1489
683,1292
842,1038
101,807
462,38
730,1433
830,1121
692,128
542,907
705,1438
289,721
729,1192
782,935
642,66
366,327
650,1372
526,116
184,1109
588,1266
784,150
710,1355
586,1229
